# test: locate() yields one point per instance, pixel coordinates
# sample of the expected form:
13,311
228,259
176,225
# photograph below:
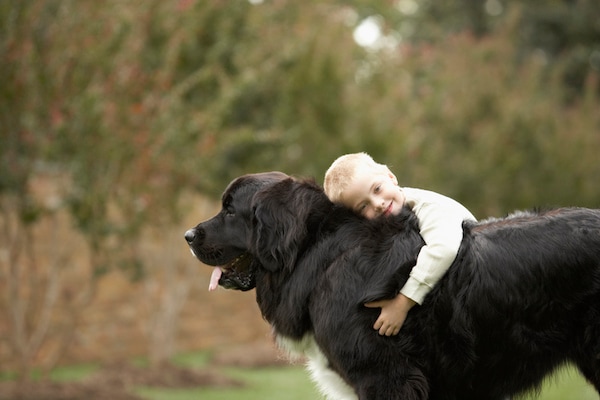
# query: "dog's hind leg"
591,372
588,357
590,368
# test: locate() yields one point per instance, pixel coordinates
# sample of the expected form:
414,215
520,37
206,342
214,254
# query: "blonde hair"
342,171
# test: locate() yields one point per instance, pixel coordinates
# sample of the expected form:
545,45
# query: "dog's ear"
279,225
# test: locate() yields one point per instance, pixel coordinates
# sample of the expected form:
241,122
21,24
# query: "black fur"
522,297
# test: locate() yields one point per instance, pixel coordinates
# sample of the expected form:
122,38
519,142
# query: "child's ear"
392,177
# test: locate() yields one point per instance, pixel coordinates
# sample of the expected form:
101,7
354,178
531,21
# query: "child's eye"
377,188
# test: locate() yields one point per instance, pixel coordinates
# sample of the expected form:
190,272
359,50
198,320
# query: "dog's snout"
195,235
190,235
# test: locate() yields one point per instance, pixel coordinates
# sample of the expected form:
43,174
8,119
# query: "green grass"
274,383
566,384
193,359
293,383
290,383
73,373
60,374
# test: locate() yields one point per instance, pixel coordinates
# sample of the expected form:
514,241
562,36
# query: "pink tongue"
214,279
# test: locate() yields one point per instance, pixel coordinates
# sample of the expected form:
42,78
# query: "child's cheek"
396,210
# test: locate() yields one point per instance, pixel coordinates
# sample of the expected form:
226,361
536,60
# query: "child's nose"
374,203
377,205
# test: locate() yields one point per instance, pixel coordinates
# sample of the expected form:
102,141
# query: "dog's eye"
227,208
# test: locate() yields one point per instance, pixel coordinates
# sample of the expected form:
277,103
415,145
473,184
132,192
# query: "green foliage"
495,134
558,30
194,94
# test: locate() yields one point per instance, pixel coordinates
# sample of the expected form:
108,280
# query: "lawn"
567,384
292,383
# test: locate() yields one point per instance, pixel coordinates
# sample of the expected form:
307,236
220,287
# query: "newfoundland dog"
521,299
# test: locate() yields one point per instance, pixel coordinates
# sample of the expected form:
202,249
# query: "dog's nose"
190,235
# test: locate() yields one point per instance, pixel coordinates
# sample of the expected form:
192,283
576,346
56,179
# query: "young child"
371,189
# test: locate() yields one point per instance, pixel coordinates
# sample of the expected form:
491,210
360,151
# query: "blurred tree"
134,103
271,90
566,33
491,133
561,32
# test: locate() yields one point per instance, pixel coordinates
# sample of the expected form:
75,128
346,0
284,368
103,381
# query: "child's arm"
440,223
393,314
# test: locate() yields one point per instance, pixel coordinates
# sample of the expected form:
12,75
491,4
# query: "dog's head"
224,240
261,224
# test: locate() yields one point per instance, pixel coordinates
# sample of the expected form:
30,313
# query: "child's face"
372,193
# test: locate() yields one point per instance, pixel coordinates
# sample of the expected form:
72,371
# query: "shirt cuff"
415,290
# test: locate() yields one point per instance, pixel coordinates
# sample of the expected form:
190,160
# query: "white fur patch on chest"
329,383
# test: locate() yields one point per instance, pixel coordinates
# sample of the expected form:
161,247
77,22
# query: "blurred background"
121,122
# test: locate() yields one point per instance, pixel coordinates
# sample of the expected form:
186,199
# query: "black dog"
522,297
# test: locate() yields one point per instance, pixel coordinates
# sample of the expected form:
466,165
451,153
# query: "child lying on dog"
371,189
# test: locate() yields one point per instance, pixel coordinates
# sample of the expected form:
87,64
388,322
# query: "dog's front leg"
395,385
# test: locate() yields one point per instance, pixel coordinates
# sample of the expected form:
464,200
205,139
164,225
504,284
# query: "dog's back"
522,297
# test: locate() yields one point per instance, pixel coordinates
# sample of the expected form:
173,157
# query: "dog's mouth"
236,275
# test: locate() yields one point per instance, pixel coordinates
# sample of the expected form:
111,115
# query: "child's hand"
393,314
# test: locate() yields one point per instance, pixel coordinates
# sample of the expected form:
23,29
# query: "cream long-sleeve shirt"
440,223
